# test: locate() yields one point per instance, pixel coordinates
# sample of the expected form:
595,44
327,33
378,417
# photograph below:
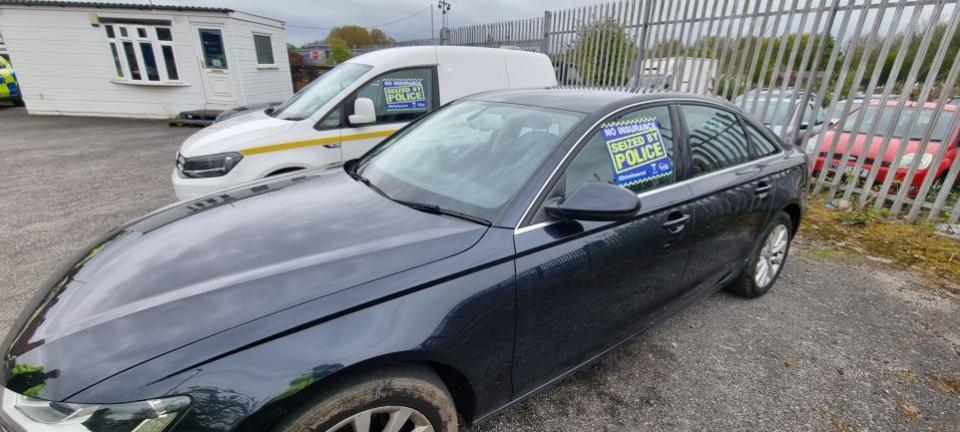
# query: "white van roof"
428,54
468,70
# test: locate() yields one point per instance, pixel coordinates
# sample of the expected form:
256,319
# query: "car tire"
370,401
767,259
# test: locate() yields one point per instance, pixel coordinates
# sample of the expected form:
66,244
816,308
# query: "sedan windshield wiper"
424,207
436,209
352,171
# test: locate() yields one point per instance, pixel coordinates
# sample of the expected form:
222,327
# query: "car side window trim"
686,182
557,172
742,120
681,144
553,178
347,104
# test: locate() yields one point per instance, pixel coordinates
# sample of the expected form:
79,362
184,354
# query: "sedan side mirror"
804,125
595,201
363,112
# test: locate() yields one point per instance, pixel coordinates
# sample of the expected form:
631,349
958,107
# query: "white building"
3,47
126,60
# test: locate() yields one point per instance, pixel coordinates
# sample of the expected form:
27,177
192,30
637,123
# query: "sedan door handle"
763,188
676,223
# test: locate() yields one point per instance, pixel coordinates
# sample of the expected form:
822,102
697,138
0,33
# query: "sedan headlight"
908,158
207,166
33,414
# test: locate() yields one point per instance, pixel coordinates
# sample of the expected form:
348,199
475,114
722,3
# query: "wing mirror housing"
363,112
595,202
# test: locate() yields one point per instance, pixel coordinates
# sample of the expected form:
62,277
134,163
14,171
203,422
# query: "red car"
944,133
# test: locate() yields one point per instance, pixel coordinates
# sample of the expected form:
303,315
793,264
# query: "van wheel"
767,261
405,399
18,101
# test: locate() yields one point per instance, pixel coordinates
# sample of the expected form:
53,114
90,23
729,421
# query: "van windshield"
310,98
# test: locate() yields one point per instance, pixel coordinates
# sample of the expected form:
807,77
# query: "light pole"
444,6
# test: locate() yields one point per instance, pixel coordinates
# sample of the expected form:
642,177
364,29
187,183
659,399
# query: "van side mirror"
595,201
363,112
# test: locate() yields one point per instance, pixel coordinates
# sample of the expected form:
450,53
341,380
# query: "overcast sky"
308,20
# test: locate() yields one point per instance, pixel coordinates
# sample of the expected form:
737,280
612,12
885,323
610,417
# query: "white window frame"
156,45
272,53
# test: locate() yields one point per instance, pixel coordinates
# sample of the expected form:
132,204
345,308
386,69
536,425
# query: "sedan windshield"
309,99
471,157
940,130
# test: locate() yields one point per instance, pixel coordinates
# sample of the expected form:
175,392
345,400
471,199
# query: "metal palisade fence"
867,87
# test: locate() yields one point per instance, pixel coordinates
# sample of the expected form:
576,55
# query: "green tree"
339,51
607,67
378,37
351,35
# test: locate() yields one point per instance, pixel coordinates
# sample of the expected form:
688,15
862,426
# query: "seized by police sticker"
637,151
404,95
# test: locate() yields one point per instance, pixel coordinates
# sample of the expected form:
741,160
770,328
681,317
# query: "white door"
215,65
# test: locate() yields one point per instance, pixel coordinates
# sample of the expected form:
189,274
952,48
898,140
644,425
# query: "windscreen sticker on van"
636,150
404,95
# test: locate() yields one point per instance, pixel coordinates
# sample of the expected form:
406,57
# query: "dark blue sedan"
469,261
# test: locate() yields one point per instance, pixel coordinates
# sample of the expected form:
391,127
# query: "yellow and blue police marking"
636,151
8,84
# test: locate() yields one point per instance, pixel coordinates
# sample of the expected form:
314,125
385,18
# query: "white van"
347,111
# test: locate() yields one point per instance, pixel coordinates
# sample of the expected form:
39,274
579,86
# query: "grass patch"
949,385
842,426
905,377
870,233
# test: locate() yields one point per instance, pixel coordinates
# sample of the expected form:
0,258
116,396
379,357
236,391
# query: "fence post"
647,18
547,27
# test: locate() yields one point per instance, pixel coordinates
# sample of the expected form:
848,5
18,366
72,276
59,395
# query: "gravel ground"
837,345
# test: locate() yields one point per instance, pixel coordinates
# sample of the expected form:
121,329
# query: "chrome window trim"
518,229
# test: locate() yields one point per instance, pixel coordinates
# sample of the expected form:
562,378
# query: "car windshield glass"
310,98
940,130
471,157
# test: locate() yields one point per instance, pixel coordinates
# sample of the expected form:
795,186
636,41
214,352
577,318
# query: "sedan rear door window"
716,139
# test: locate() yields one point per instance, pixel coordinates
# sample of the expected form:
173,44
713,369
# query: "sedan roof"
912,104
584,100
